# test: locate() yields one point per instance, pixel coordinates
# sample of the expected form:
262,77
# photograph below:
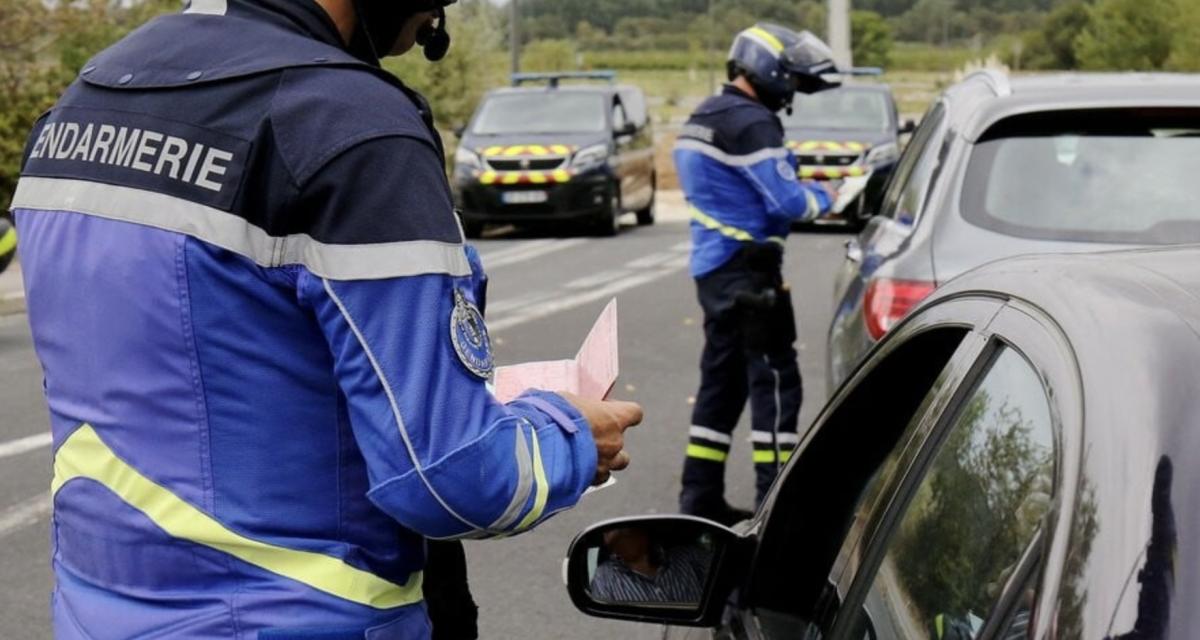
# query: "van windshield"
542,112
843,108
1106,175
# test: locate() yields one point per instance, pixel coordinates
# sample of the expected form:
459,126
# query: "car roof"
607,89
986,97
1132,321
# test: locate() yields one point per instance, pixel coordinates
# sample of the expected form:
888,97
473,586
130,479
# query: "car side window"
969,521
906,192
618,117
854,453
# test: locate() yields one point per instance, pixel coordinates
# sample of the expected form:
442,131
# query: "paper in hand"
849,191
591,374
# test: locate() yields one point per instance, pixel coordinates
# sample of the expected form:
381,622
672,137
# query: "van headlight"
589,158
467,159
883,154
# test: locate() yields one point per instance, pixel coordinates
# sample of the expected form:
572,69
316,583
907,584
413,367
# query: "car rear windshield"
542,112
840,109
1105,175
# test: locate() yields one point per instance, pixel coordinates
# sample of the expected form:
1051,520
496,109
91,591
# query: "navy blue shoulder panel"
318,113
735,124
188,49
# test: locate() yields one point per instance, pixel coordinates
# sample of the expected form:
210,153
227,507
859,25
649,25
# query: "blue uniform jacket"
739,179
263,361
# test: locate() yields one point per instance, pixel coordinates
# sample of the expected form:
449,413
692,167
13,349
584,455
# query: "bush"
872,38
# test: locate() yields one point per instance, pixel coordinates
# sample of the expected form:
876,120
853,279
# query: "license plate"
524,197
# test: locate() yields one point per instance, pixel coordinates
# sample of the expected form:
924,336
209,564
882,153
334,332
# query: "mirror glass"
649,565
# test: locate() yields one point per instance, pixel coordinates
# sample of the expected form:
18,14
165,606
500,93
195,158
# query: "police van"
557,153
848,132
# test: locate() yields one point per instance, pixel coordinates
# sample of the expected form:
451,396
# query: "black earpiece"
437,42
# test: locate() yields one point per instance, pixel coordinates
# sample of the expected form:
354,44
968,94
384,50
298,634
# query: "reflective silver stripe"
728,159
208,7
228,231
704,433
524,483
764,437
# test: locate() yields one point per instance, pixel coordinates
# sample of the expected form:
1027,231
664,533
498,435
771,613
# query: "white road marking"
560,303
528,252
24,445
25,514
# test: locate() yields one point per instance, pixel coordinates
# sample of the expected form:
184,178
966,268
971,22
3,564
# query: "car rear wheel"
645,217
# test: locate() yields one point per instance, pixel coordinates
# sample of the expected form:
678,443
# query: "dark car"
558,153
850,131
1002,465
998,168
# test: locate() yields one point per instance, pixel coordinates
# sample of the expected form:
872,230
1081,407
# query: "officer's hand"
831,192
609,420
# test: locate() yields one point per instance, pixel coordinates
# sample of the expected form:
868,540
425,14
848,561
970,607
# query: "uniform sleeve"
445,458
774,177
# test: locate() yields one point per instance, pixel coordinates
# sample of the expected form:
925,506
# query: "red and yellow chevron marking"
832,173
527,151
525,177
806,146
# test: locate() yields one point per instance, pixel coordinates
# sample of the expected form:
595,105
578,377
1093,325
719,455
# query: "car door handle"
854,251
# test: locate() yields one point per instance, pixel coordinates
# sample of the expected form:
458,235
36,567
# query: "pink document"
591,374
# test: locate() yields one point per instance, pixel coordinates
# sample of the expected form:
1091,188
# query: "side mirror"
908,127
676,570
628,130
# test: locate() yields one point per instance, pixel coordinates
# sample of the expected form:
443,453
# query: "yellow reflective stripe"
543,487
807,173
511,178
560,149
784,456
712,223
562,175
538,150
84,455
764,456
537,177
769,37
8,241
492,152
940,623
489,177
855,146
777,240
706,453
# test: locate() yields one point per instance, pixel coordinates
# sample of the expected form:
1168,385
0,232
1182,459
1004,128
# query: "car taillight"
888,301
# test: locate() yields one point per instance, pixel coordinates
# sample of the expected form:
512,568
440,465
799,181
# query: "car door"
845,457
625,158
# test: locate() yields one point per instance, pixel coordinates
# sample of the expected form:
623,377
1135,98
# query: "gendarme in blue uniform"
741,184
263,360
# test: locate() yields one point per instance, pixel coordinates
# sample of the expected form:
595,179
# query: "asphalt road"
545,293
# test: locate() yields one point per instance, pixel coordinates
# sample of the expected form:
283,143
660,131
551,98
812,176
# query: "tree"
549,55
872,38
1185,50
1062,28
1128,35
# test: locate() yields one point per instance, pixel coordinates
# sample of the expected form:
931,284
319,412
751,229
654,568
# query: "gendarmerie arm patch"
470,337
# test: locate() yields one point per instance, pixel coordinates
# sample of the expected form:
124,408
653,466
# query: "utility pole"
711,47
514,34
838,28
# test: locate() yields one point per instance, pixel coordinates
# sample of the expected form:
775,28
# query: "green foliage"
872,39
1128,35
1062,29
549,55
1185,52
921,57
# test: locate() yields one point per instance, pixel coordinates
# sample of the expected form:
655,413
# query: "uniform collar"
304,16
731,90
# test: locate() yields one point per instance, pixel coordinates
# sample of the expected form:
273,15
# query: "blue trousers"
749,354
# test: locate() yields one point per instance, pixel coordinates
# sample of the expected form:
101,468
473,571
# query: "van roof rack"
553,79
